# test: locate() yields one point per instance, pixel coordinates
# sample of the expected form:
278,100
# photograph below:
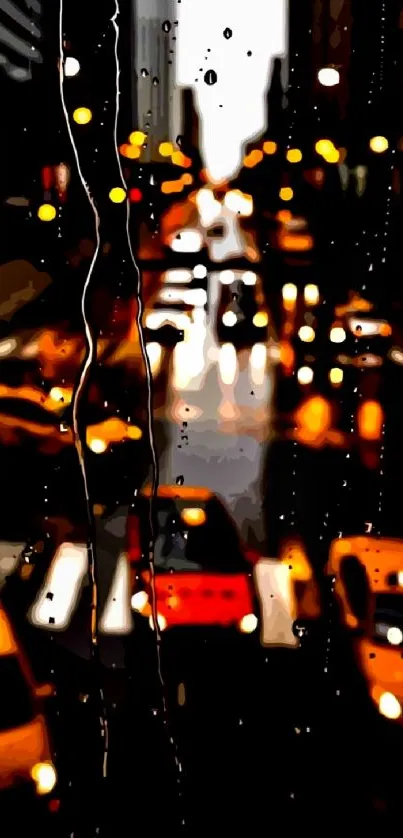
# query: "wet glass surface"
200,416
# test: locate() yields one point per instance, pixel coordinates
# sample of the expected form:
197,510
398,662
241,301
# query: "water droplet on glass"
227,33
156,81
144,72
249,52
210,77
166,26
179,140
180,480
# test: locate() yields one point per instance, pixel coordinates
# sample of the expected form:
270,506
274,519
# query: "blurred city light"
82,116
289,292
229,318
305,375
239,202
137,138
188,241
248,624
62,178
98,446
306,334
269,147
394,636
327,150
286,193
209,208
227,362
253,158
44,776
313,418
132,152
154,352
389,706
378,144
227,277
46,212
165,149
249,278
199,271
161,621
117,195
337,334
294,155
258,361
71,66
139,601
180,159
195,297
168,187
135,195
260,319
64,578
193,516
116,618
187,179
328,76
369,420
180,276
311,294
336,375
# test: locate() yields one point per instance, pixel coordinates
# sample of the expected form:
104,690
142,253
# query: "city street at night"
201,369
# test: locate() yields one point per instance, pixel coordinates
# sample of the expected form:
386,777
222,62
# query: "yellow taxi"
26,764
368,583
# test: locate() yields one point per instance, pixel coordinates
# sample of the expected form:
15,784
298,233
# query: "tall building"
156,97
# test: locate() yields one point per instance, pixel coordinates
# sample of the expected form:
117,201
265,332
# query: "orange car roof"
196,493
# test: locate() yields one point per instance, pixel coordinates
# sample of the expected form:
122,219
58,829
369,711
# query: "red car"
202,569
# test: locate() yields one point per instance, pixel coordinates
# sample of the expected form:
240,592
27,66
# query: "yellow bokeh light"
193,516
306,334
269,147
133,432
97,446
170,186
289,292
117,195
336,375
131,151
187,179
311,294
253,158
46,212
294,155
286,193
165,149
378,144
260,319
180,159
82,116
44,776
137,138
324,147
333,156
